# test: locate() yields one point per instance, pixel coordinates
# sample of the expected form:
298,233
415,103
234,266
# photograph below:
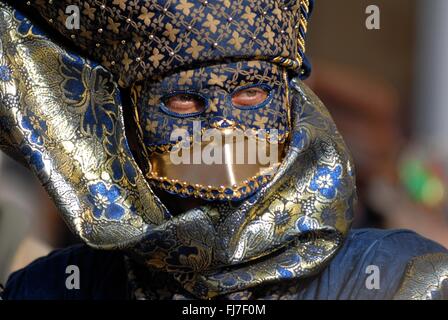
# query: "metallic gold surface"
426,278
237,165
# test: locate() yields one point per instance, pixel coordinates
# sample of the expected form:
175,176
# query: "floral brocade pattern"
144,39
426,278
62,115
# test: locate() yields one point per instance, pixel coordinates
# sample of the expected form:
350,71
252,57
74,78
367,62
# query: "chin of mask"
217,132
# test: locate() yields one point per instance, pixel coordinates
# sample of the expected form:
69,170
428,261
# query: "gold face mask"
217,132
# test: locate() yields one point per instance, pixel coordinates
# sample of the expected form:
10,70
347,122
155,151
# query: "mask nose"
223,123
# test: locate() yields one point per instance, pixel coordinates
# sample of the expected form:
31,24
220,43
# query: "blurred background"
387,91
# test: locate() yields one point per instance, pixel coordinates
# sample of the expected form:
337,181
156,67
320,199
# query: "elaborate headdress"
147,39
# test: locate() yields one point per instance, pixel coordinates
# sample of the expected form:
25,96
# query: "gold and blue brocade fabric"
62,115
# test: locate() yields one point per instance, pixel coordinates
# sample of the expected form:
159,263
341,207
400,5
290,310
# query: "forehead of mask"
215,85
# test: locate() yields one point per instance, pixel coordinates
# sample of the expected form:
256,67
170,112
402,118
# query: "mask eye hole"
184,104
250,97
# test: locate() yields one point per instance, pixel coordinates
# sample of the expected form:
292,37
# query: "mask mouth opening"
222,165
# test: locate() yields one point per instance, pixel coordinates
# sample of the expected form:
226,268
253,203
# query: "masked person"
123,116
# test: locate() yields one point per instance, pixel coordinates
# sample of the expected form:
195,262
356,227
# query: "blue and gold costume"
72,100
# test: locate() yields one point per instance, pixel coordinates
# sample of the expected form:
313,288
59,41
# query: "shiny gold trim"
301,43
137,123
288,101
185,189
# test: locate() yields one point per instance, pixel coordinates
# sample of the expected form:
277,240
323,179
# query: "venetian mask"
216,132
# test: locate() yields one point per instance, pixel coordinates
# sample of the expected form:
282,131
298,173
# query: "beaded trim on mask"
236,192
